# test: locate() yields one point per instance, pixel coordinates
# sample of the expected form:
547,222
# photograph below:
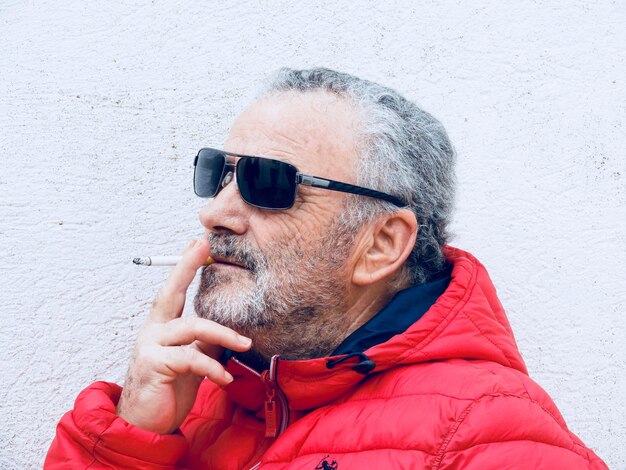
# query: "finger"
170,299
186,330
184,272
183,360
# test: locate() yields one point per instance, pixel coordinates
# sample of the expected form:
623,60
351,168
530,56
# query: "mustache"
237,249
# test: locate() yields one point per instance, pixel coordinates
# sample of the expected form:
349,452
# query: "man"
336,328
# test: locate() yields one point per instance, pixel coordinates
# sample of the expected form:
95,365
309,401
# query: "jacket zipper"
275,406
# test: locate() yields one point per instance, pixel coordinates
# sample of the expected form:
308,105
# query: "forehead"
315,131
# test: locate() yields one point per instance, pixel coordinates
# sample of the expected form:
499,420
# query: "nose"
226,213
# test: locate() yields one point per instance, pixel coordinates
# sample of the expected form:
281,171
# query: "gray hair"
405,152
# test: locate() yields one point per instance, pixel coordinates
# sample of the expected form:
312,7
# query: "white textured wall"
103,107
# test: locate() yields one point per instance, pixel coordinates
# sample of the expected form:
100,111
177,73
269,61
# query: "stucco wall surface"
104,104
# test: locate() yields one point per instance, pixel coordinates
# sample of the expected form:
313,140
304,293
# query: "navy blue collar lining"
406,307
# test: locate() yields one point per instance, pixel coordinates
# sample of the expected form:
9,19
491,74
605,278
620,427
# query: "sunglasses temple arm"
313,181
348,188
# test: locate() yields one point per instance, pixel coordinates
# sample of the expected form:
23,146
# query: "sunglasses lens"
208,172
267,183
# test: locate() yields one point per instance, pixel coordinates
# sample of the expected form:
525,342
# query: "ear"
385,246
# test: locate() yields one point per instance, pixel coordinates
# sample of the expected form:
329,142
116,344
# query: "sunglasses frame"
301,178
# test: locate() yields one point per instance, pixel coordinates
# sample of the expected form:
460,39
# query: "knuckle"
187,322
171,358
147,334
180,359
181,324
146,357
146,330
188,353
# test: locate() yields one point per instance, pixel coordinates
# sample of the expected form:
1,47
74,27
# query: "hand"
173,354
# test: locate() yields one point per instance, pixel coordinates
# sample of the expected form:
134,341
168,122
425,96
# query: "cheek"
304,226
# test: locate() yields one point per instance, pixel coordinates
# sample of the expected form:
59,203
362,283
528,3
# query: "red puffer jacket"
450,392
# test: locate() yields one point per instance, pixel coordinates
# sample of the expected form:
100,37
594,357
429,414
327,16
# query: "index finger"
170,300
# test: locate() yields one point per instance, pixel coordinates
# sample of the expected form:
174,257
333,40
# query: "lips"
227,261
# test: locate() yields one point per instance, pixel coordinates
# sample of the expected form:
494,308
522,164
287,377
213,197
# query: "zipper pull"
271,414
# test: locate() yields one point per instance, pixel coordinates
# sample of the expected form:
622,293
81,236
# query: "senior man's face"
293,277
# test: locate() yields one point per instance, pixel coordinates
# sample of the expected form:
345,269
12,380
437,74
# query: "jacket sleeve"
93,436
514,432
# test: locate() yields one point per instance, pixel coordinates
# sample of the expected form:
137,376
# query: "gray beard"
291,302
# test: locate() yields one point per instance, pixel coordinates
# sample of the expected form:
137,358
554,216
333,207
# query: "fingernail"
244,340
228,377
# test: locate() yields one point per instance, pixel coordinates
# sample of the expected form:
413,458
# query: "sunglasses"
263,182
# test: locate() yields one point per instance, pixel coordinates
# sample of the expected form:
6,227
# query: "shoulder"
459,402
464,387
482,405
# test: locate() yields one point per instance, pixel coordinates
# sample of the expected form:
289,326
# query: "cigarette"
163,260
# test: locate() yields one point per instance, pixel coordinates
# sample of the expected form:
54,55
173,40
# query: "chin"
232,305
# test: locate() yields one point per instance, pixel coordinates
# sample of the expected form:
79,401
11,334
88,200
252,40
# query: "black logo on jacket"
324,465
